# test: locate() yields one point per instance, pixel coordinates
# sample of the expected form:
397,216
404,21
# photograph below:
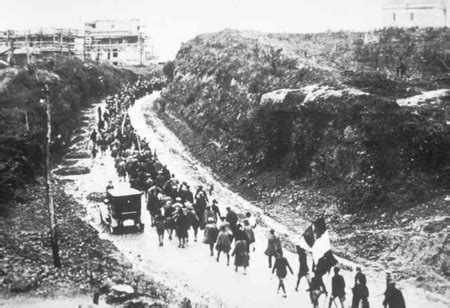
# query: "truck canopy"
123,191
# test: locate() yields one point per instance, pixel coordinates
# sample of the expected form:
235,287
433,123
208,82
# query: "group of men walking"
173,206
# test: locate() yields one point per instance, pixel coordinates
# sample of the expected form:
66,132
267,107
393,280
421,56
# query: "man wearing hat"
393,297
303,268
160,179
215,208
360,290
232,219
109,186
337,288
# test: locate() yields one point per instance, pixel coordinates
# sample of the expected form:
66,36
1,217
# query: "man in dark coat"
200,207
337,288
160,180
304,269
232,219
153,205
360,290
240,234
281,265
316,288
94,138
393,297
215,208
360,276
182,223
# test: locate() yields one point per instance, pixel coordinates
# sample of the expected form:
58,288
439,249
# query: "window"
393,16
411,15
115,53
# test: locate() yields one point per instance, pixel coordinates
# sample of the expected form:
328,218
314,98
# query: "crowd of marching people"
175,208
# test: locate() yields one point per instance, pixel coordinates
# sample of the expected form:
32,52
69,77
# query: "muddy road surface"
192,271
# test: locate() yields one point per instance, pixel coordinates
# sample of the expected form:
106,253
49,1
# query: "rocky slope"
89,264
306,135
377,152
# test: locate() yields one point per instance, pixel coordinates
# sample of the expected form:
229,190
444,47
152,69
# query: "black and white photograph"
225,153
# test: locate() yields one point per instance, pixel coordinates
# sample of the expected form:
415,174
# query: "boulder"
120,293
20,285
123,288
437,226
96,196
76,170
78,155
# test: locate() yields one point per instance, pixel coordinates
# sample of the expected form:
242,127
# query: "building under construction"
118,42
21,45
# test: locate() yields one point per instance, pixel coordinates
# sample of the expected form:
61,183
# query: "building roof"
431,3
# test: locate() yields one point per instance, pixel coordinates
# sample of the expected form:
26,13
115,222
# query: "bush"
73,85
367,147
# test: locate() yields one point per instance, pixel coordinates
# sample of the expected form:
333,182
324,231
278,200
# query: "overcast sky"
170,22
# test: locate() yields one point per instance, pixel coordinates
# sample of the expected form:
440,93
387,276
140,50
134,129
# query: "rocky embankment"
305,128
412,244
89,264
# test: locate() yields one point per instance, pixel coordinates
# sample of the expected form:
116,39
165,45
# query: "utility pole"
27,45
27,121
10,43
48,177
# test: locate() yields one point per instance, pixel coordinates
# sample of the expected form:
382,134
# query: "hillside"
220,79
310,124
73,86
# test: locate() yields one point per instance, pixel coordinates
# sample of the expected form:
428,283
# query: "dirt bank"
397,241
187,168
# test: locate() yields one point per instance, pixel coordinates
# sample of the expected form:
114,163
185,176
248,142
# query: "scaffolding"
118,42
39,42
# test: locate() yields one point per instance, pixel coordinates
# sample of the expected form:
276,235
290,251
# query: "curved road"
191,271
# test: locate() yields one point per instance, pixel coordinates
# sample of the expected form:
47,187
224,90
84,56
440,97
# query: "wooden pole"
11,49
139,143
48,186
123,122
27,123
27,45
61,36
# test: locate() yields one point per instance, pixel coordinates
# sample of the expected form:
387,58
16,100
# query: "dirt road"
191,271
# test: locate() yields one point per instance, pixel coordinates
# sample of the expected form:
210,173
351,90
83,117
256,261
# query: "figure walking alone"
281,265
273,246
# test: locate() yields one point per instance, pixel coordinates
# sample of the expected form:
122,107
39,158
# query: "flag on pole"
317,238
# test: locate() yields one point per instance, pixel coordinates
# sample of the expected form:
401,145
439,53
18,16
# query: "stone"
123,288
20,286
76,139
76,170
436,226
78,155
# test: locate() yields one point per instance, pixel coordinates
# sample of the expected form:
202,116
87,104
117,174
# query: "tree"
169,70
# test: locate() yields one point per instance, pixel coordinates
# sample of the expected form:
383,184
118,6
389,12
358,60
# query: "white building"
415,13
119,42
